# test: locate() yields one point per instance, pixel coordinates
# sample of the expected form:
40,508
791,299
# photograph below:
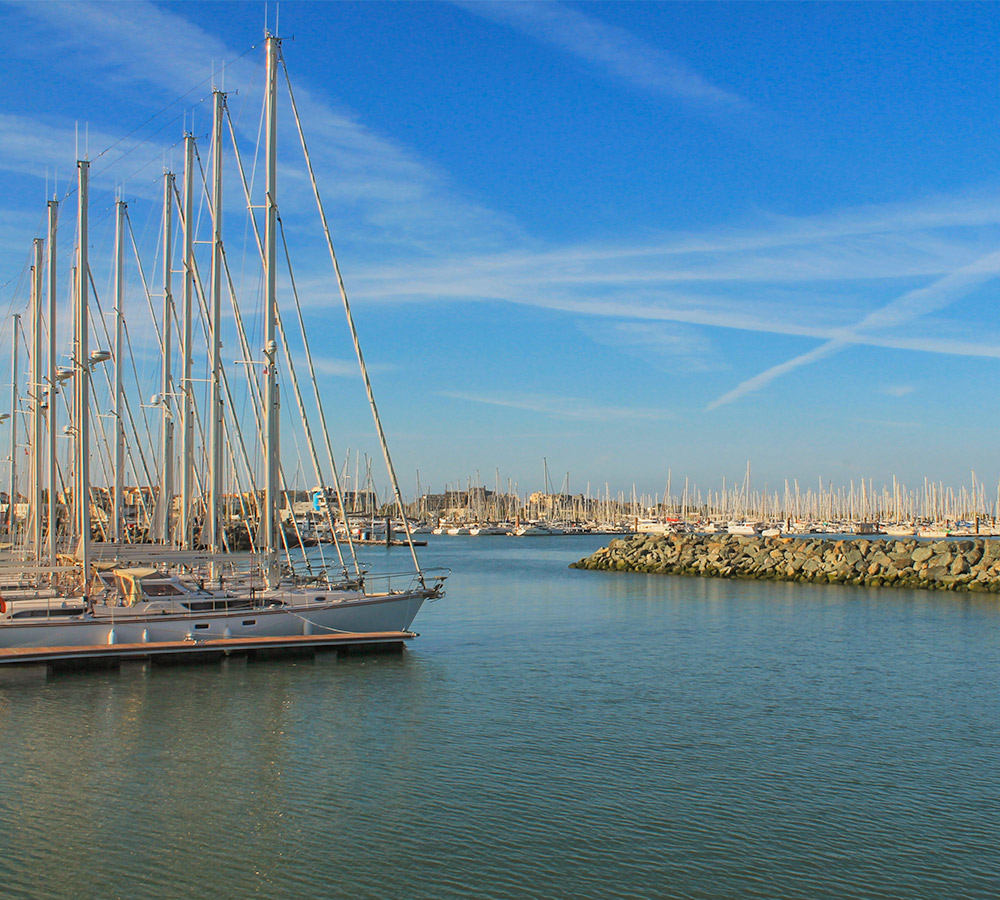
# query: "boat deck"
174,652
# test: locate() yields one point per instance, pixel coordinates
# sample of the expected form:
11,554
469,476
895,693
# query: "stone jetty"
971,564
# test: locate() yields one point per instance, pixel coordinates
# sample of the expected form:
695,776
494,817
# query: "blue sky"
625,237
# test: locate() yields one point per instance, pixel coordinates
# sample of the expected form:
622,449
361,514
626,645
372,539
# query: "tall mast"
53,371
117,525
215,401
165,506
271,450
81,494
187,411
12,492
35,395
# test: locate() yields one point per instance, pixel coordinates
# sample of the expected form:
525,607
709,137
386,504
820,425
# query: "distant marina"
933,511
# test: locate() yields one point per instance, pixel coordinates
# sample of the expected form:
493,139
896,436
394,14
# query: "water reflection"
553,733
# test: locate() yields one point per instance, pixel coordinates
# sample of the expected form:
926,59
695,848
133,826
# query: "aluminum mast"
12,494
271,446
36,397
81,493
166,500
53,382
117,524
215,421
187,410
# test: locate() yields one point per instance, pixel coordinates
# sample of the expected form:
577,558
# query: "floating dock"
110,656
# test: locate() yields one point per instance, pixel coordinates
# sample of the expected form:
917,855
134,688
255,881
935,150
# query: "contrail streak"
911,305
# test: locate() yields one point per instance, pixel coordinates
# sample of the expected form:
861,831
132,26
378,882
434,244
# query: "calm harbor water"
552,734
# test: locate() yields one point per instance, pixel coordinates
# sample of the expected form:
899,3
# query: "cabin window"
152,589
216,605
47,613
202,625
320,599
249,621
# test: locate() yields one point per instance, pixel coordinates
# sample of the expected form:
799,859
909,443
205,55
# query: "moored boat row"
78,570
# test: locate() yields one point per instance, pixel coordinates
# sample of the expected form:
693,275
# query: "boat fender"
3,605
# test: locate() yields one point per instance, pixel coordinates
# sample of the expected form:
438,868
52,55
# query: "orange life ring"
3,605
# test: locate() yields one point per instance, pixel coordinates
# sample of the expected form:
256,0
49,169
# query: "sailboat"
182,579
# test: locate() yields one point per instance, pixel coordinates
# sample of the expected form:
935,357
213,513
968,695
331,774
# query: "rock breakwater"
966,565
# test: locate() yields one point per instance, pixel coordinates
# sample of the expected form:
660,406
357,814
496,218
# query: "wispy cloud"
911,305
611,48
811,277
15,224
897,390
47,152
376,184
346,368
738,317
561,407
670,347
758,382
894,242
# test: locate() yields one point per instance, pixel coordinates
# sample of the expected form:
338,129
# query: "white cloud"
347,368
46,151
813,277
371,181
782,252
611,48
758,382
561,407
911,305
809,276
671,347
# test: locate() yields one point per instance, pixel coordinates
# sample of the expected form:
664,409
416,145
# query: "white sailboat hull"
110,625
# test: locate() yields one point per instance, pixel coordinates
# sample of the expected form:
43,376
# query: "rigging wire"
281,330
72,186
350,321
